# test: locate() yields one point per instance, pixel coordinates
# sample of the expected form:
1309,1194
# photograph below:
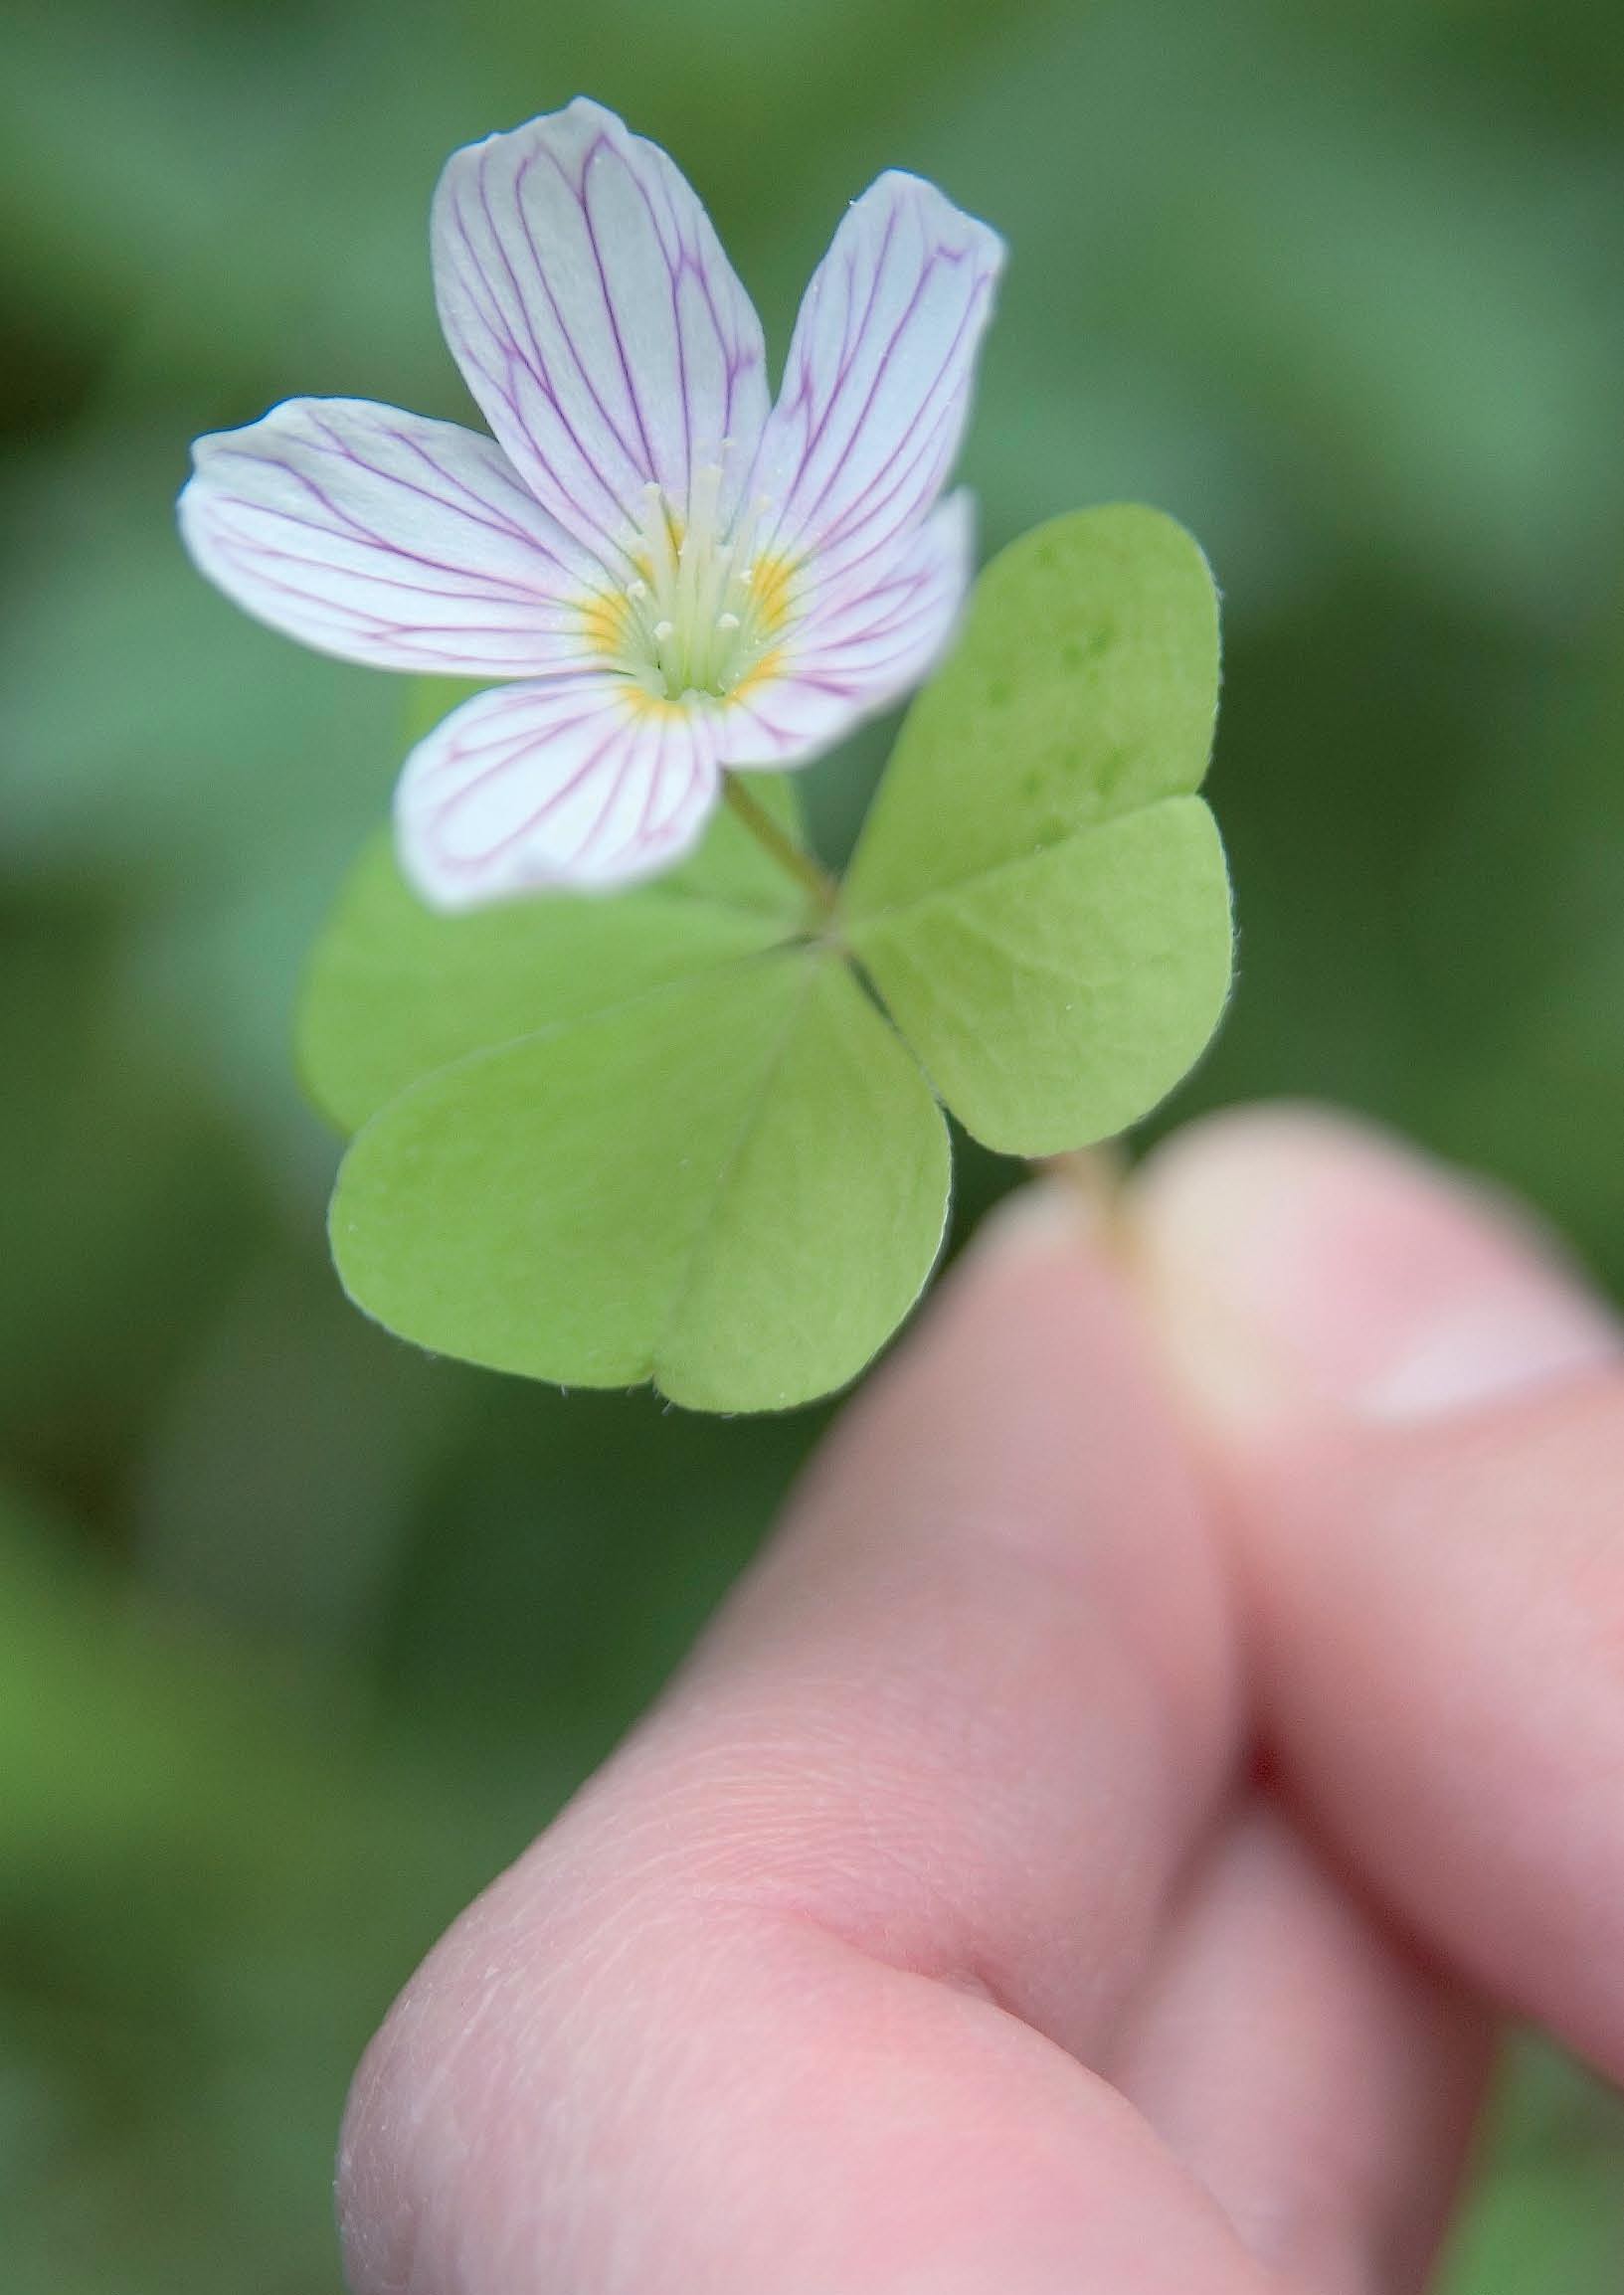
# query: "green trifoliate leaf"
735,1186
666,1136
1055,1000
396,990
1039,897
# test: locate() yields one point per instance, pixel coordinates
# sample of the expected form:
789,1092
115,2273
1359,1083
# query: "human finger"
799,1994
1417,1411
1306,2064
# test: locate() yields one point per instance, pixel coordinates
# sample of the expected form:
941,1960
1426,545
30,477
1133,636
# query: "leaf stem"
1096,1178
779,845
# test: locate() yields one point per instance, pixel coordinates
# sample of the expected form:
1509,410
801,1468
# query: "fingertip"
1413,1407
1036,1293
1300,1261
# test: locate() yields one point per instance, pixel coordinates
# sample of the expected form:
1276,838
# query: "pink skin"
939,1934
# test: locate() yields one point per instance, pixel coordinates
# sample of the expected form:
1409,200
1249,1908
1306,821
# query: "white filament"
696,624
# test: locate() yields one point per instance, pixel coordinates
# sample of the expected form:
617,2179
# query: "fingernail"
1299,1256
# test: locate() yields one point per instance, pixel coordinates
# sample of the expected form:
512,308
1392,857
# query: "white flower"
677,576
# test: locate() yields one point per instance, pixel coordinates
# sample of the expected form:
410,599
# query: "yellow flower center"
704,608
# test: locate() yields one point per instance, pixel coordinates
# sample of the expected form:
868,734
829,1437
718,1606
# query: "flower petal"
596,319
583,781
862,645
877,388
387,538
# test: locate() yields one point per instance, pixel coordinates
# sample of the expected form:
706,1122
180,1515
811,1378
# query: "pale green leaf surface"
1085,684
1055,1000
397,989
830,1222
735,1187
1039,897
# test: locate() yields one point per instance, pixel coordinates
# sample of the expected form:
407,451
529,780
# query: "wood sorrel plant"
637,1091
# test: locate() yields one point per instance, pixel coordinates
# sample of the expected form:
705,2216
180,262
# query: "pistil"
695,621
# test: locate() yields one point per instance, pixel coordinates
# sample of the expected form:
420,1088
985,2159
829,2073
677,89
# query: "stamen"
698,623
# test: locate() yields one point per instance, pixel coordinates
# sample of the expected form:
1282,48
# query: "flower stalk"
754,816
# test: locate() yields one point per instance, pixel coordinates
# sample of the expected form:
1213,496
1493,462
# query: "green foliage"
1338,285
1551,2214
397,991
198,1877
1056,1000
1042,905
1085,686
667,1136
735,1187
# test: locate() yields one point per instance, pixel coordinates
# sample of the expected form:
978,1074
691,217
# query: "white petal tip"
551,788
900,185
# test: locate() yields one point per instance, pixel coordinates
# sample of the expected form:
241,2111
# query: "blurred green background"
301,1635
